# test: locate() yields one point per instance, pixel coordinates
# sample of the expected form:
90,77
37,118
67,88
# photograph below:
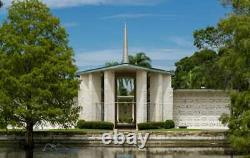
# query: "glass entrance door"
125,100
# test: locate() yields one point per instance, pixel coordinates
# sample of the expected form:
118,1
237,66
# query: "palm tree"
111,63
140,59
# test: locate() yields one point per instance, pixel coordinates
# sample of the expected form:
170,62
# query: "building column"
156,96
141,96
109,96
84,98
167,98
95,93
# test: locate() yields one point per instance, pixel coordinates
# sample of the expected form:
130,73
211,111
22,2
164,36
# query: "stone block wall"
200,109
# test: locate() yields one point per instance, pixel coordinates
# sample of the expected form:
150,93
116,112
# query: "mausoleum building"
127,94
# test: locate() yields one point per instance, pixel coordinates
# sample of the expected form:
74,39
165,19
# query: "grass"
174,129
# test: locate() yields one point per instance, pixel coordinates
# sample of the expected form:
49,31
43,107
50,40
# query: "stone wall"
166,139
200,109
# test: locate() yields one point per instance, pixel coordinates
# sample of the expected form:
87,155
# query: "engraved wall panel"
200,109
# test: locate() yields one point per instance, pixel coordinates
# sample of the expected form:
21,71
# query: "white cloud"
135,16
181,41
90,59
73,3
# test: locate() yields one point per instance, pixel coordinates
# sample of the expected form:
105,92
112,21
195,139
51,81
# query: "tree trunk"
29,136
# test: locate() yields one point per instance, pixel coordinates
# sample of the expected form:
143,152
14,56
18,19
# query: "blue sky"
161,28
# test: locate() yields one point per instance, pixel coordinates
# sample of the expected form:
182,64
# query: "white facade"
109,96
151,97
89,96
151,104
161,97
199,109
141,96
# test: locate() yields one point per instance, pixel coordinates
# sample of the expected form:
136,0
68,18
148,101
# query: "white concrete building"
126,94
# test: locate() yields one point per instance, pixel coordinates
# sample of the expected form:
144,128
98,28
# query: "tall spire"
125,46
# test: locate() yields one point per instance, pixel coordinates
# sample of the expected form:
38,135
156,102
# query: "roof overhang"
124,67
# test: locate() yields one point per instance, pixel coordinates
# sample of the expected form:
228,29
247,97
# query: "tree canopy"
111,63
229,69
139,59
37,72
197,71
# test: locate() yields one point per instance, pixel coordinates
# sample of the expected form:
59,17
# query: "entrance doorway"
125,101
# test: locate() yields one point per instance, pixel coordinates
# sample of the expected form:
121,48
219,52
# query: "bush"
169,124
150,125
94,125
79,123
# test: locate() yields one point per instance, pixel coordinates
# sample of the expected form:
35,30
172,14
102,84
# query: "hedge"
151,125
43,132
169,124
81,124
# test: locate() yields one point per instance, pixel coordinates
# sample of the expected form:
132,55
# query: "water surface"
61,151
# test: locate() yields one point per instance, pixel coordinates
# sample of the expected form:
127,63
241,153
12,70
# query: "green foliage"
209,37
151,125
239,6
169,124
79,123
195,71
65,132
239,121
37,72
111,63
94,125
140,59
231,68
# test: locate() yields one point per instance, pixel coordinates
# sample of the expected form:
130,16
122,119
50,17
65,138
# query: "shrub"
94,125
150,125
79,123
169,124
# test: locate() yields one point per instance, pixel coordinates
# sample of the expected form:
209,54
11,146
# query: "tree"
210,38
234,61
1,4
195,71
111,63
140,59
37,72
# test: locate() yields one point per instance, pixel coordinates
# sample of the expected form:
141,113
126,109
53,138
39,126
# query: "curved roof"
124,66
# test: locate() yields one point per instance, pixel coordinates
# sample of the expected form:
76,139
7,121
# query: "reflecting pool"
61,151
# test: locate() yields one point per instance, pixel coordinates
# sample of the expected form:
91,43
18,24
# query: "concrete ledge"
161,139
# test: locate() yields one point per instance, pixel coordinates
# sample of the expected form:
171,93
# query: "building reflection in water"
102,152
